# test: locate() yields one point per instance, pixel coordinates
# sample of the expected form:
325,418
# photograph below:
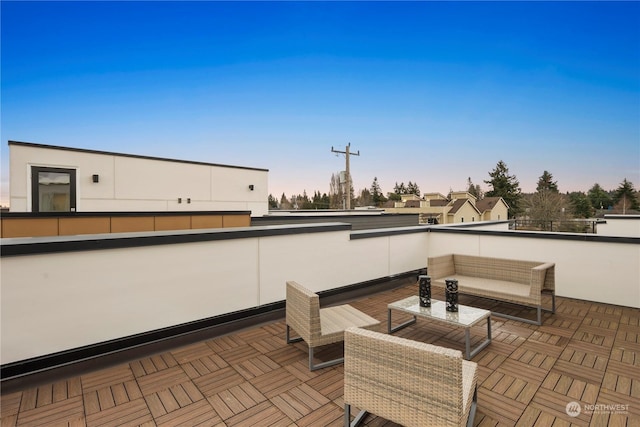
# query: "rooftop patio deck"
587,353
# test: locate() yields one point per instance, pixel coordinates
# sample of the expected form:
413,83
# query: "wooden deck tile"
253,335
203,366
503,410
263,414
268,345
10,404
533,357
226,342
192,352
553,403
238,354
327,415
131,413
106,378
66,411
330,383
153,364
288,354
596,336
215,382
198,413
235,400
299,401
578,371
162,380
256,366
578,356
523,370
275,382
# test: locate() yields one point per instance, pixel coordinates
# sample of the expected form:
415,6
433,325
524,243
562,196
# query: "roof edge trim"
134,156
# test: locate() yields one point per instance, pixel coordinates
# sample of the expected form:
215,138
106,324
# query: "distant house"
46,178
460,206
492,208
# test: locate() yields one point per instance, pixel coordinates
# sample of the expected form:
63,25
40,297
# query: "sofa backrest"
441,266
495,268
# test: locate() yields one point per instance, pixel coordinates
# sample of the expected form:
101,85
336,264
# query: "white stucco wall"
61,301
53,302
134,183
619,225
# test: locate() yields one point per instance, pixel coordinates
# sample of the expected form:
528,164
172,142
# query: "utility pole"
347,153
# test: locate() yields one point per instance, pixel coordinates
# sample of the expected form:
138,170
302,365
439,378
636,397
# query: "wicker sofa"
513,281
320,326
406,381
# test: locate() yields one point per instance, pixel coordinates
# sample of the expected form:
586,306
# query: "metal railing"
560,226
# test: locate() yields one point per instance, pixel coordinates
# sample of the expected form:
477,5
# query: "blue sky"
428,92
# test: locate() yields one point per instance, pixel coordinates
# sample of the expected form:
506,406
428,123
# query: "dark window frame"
35,186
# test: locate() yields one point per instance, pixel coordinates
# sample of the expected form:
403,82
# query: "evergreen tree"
365,198
305,202
625,196
546,182
294,202
284,202
320,201
599,198
326,202
580,205
412,188
376,193
474,189
273,203
505,186
394,196
400,189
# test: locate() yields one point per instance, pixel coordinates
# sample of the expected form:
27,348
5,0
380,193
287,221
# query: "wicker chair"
320,326
407,382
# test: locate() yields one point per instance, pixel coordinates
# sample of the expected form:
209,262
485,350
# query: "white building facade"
45,178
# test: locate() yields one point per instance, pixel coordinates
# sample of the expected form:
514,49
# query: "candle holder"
424,287
451,294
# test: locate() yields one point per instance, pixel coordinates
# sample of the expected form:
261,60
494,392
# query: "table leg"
392,329
470,354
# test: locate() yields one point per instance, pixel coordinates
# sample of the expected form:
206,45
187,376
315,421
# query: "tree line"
546,204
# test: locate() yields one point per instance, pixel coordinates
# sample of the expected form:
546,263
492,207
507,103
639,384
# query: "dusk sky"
428,92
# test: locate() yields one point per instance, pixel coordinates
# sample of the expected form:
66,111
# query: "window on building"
53,189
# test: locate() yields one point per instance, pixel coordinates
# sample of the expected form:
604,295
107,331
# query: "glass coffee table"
465,317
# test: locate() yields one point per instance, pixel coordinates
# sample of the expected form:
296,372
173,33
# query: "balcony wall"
62,293
69,293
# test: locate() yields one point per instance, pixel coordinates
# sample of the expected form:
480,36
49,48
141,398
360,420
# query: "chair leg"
313,367
291,340
474,405
347,417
